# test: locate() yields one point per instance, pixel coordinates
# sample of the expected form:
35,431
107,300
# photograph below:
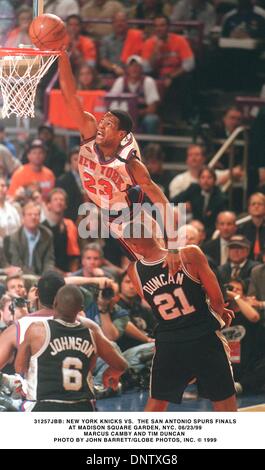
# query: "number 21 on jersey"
167,307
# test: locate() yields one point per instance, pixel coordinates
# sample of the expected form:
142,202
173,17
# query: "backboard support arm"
37,8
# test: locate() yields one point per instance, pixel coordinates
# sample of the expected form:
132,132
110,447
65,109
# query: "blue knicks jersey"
109,183
178,302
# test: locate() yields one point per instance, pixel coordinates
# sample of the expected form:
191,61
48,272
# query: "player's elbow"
255,317
113,336
112,333
148,186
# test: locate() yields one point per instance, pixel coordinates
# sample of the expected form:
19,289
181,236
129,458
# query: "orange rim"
24,51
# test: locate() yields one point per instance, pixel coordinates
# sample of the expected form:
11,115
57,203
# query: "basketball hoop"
21,70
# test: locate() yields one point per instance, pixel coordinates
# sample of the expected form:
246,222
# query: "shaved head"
69,301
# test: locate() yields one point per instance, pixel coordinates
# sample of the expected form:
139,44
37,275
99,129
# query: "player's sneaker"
103,392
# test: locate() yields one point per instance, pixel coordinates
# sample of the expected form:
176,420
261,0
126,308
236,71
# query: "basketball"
48,31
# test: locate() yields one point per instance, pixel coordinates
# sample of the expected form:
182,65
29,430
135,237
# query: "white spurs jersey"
23,323
107,183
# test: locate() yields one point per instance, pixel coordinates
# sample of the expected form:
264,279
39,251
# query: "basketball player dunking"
109,163
57,357
190,311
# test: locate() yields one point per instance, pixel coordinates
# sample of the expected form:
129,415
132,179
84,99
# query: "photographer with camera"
12,309
246,339
53,347
15,285
141,317
115,323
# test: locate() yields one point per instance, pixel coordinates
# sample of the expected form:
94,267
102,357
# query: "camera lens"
107,293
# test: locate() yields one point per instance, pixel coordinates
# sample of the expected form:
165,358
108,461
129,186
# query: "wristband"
237,297
174,251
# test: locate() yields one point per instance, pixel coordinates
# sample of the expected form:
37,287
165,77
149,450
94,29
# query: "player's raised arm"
85,121
152,190
197,258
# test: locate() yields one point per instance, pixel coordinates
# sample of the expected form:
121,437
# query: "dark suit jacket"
216,204
225,271
3,260
257,282
75,196
249,230
16,249
212,248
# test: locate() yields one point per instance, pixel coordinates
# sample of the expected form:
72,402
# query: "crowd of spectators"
169,61
41,191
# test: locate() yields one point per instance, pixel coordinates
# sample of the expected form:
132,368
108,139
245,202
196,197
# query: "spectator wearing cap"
144,87
71,183
81,48
122,43
238,265
6,142
254,229
31,247
33,172
55,155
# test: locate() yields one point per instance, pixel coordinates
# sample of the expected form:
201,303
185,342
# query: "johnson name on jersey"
61,369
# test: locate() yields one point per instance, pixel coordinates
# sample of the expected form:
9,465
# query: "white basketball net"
19,78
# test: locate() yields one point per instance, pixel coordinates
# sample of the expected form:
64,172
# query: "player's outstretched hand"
111,378
172,261
228,316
